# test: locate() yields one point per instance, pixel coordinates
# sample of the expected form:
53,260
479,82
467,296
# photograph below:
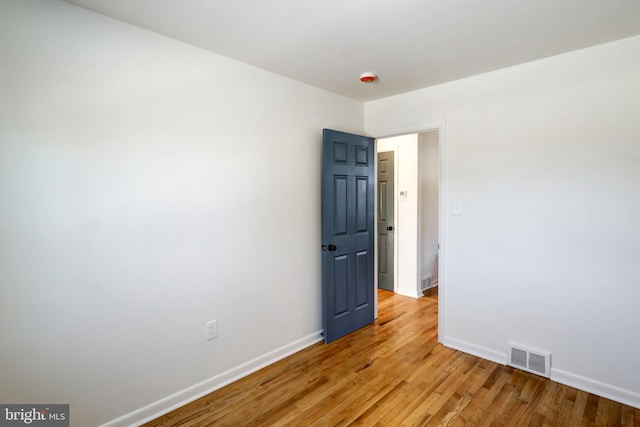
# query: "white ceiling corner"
409,44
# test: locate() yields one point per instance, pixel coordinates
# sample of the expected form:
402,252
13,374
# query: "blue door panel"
340,286
362,279
362,156
347,232
340,152
362,186
340,205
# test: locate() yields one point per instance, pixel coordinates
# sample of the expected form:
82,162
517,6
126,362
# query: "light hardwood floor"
394,373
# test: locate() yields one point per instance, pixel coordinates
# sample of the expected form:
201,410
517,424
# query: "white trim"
442,226
476,350
609,391
409,293
375,230
189,394
396,215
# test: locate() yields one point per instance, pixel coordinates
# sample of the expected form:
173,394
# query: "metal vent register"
529,359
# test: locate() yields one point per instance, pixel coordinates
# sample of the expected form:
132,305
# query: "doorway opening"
418,224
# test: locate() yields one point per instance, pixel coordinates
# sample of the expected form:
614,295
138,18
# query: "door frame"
439,126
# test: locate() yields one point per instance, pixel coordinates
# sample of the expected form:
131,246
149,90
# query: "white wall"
146,187
544,157
428,182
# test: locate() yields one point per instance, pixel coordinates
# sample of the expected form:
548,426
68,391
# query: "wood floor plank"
472,413
552,417
627,417
451,414
395,373
525,409
590,411
578,408
373,415
614,417
540,405
487,409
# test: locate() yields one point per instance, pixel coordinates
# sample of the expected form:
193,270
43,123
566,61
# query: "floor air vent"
530,360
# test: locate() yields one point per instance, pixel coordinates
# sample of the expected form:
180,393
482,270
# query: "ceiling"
409,44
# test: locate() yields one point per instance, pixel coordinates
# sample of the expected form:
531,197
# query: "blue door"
347,233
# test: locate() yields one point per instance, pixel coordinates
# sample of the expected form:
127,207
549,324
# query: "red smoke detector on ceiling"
368,77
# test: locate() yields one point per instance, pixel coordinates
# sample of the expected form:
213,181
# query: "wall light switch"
457,208
211,330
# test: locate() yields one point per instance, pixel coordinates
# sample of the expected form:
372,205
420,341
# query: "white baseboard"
609,391
409,293
476,350
589,385
181,398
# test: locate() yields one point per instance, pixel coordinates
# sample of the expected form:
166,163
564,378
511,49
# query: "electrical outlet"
457,208
211,329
